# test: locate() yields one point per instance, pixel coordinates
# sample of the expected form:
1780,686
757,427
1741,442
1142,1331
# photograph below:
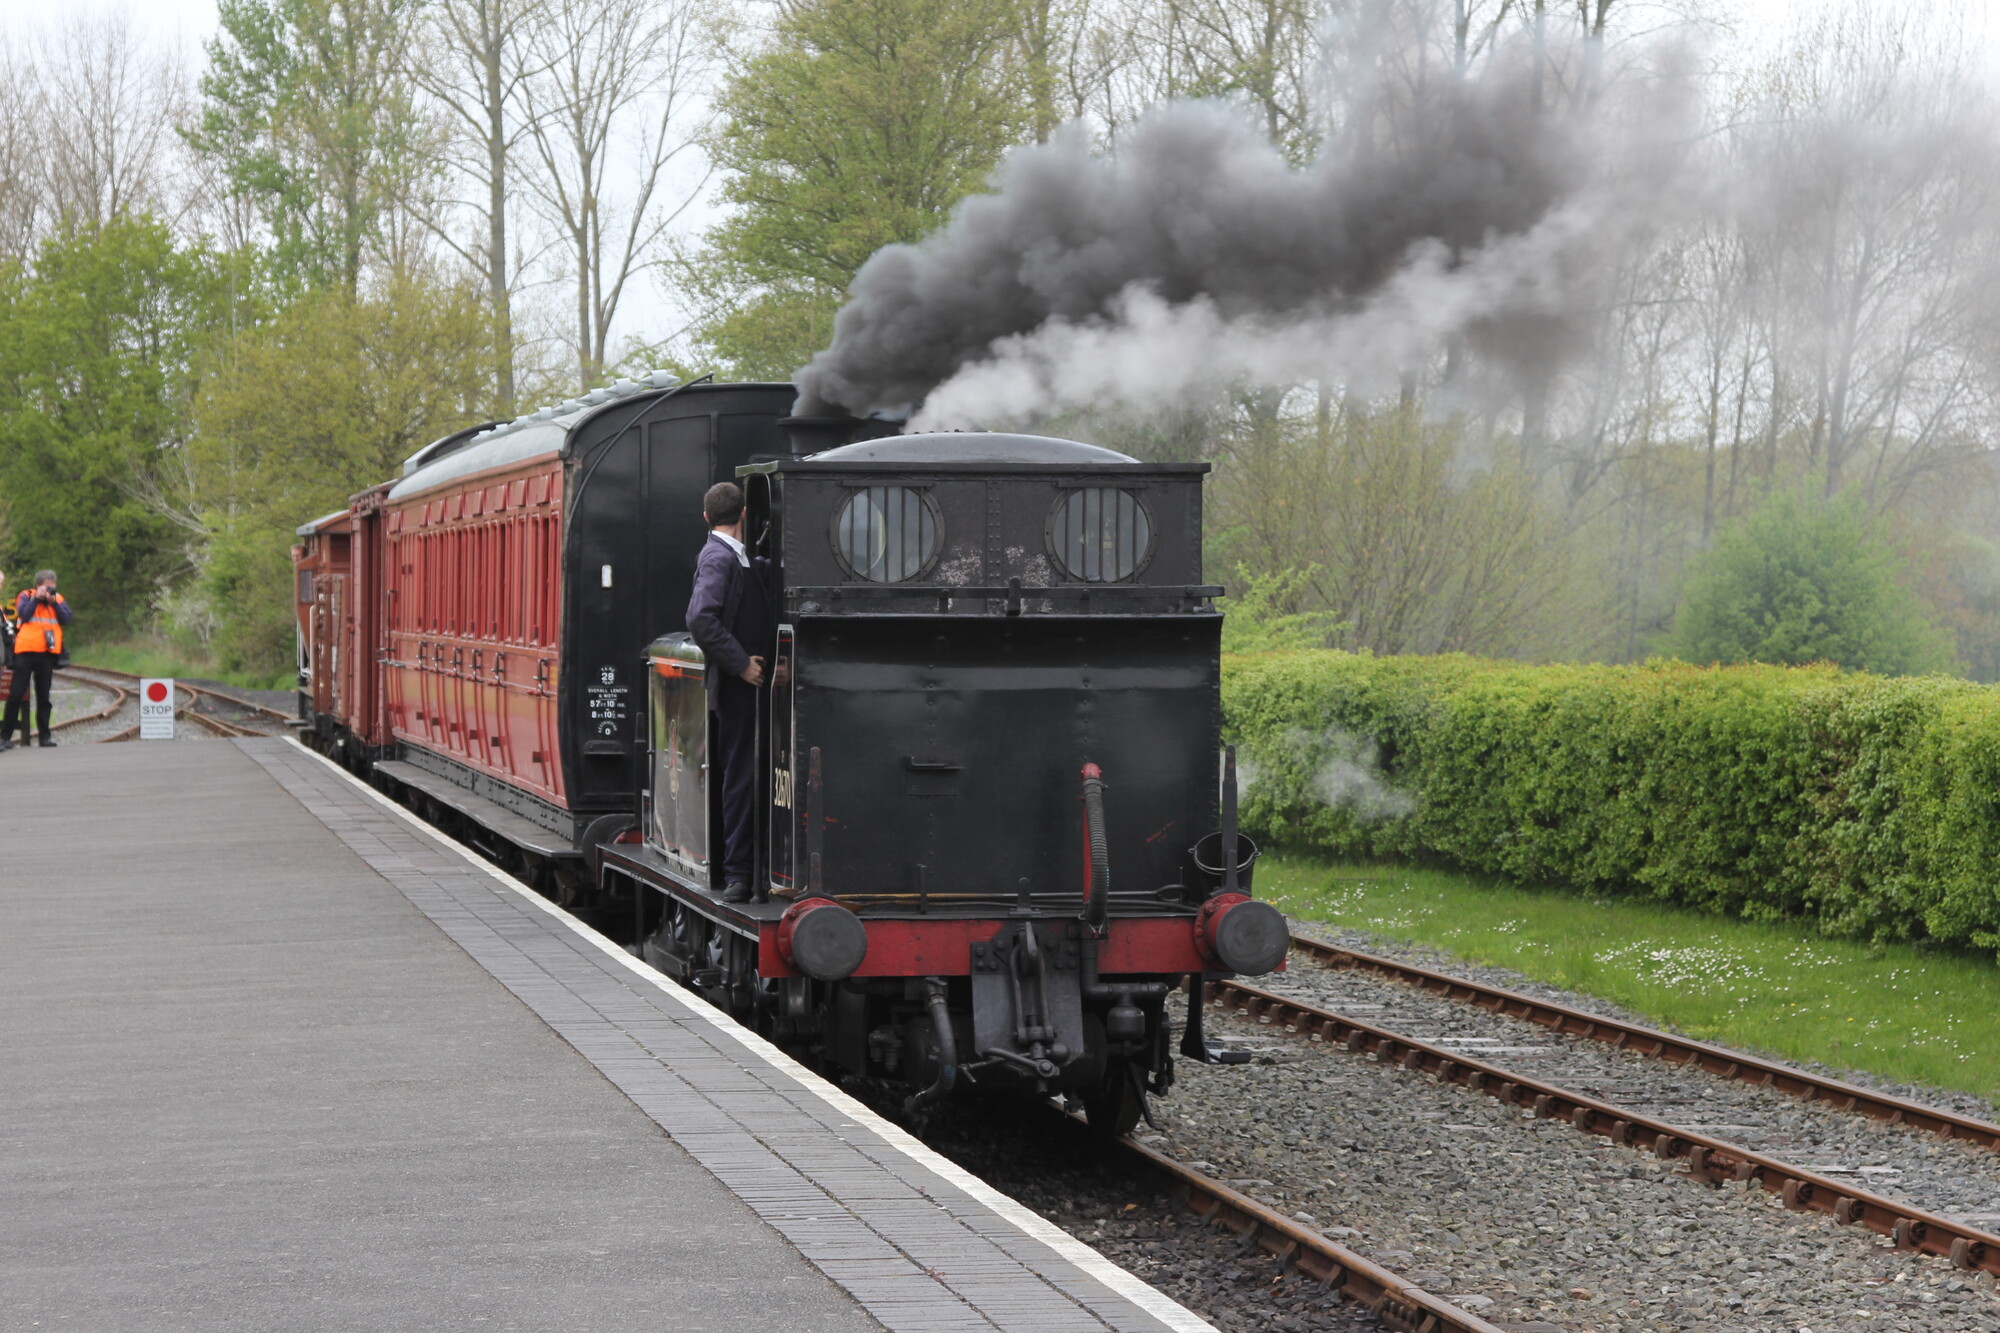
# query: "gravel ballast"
85,697
1088,1190
1955,1179
1477,1201
1470,1199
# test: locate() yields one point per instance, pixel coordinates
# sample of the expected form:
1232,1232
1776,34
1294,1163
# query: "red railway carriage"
339,601
361,679
496,600
323,564
472,584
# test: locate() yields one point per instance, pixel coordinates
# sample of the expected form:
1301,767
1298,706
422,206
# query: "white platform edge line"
1148,1298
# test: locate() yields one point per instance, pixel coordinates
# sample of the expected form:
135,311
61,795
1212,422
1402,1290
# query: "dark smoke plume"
1195,256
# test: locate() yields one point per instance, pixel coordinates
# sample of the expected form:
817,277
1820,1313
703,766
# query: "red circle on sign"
156,692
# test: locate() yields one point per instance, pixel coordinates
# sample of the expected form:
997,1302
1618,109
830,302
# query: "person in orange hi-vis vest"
38,643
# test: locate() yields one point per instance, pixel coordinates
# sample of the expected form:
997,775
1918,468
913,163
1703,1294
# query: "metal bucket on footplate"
1209,867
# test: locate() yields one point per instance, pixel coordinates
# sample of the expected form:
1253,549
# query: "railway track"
217,712
214,726
120,696
1665,1046
1302,1250
1708,1158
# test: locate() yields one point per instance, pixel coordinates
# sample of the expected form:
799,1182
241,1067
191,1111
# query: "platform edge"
1118,1280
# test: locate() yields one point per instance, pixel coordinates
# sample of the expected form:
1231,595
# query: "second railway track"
1525,1222
1569,1021
1708,1158
217,712
1940,1161
1889,1217
120,696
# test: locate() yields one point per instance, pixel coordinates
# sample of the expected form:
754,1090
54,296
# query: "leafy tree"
1799,582
306,112
97,337
1263,615
325,399
860,124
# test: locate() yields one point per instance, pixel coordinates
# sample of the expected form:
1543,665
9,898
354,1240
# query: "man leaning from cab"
729,617
42,613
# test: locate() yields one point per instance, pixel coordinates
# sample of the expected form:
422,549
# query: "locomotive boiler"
989,741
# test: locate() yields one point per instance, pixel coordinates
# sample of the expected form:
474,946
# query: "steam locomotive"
992,804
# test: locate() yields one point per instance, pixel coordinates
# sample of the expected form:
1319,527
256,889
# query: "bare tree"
22,210
108,110
622,99
474,62
1263,53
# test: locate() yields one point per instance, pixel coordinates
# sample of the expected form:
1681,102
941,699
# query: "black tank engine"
992,797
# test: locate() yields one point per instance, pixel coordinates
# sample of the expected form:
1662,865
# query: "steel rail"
190,710
219,726
131,733
187,712
200,691
1400,1306
119,694
1709,1160
1664,1046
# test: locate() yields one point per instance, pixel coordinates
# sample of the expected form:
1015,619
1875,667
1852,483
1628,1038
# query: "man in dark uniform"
729,616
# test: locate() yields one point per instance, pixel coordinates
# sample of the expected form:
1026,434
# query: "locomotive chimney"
811,435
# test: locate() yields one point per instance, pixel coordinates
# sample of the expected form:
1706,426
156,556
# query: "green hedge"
1868,805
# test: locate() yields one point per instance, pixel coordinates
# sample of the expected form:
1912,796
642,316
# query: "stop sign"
156,710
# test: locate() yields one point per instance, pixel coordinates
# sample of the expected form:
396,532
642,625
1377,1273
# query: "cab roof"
970,447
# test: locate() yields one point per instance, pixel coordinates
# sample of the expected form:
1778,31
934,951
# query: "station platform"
274,1055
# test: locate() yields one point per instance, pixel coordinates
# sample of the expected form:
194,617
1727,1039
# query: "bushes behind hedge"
1869,805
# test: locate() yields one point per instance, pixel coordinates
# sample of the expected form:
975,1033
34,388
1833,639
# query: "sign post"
156,710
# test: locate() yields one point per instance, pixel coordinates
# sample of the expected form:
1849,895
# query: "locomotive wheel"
687,932
1115,1104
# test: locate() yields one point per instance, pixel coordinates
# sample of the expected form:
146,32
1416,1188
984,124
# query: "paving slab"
246,1084
277,1056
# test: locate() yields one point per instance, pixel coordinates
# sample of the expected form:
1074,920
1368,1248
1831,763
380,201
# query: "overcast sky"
645,309
195,19
191,19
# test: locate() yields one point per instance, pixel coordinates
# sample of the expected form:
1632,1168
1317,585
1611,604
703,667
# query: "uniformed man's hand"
754,673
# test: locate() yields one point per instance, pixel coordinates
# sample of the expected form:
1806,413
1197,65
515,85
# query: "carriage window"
1100,534
886,534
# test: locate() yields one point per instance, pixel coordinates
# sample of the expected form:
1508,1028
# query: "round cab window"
1100,534
886,534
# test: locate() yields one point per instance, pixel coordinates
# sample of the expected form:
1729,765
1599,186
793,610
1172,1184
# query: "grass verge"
156,657
1909,1014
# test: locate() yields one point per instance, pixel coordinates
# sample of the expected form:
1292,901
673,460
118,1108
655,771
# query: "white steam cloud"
1338,768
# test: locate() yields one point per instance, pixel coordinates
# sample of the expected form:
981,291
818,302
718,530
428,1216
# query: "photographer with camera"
41,613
